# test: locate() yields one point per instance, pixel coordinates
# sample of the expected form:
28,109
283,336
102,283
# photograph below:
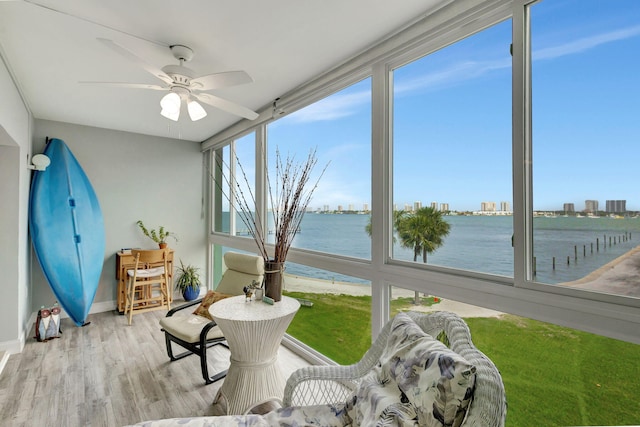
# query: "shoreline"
295,283
617,277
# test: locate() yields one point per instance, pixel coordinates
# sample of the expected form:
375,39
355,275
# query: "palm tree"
398,216
424,231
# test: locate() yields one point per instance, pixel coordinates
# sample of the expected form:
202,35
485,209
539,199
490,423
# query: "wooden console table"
124,261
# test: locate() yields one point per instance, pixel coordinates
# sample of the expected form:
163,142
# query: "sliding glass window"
452,177
233,172
585,150
338,128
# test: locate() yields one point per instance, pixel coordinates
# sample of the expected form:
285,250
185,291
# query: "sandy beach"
304,284
620,277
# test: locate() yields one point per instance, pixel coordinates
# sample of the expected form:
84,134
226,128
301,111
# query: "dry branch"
289,201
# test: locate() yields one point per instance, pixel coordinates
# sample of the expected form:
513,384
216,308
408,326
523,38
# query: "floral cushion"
418,381
209,298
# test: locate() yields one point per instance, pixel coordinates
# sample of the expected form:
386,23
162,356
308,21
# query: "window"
338,322
338,127
458,151
585,91
452,187
234,168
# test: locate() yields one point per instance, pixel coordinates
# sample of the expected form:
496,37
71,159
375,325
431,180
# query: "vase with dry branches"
289,197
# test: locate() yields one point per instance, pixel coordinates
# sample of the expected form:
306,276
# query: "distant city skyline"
590,206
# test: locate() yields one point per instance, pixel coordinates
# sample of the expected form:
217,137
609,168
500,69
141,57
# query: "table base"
260,384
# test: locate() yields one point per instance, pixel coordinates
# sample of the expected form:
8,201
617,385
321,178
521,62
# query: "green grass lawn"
337,326
553,376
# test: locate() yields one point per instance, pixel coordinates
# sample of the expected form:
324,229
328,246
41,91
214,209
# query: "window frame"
610,315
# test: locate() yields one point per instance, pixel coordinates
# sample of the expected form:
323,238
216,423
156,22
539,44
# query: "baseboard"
307,353
4,357
97,307
13,346
16,346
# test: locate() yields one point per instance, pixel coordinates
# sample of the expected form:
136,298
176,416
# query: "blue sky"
452,117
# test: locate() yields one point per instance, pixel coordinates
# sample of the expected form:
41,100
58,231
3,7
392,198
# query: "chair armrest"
183,306
319,385
332,384
205,331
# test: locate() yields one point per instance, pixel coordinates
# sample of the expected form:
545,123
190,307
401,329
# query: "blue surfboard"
67,230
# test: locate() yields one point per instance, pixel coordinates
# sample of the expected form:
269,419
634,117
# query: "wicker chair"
316,385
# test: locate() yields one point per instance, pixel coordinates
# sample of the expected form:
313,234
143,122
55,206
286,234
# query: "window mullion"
521,147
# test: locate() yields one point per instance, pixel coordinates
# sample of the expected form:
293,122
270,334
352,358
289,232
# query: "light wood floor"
109,374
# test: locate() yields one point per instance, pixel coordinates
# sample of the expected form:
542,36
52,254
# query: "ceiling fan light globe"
170,102
171,114
196,112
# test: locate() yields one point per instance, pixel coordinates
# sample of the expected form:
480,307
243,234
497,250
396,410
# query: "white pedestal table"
253,331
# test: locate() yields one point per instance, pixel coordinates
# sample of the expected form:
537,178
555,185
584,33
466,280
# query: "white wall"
157,180
14,192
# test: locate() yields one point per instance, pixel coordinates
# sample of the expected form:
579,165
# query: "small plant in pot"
159,236
188,281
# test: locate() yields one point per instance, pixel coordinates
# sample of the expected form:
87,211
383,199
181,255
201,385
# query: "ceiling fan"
184,86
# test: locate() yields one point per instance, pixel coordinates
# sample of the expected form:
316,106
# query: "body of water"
482,244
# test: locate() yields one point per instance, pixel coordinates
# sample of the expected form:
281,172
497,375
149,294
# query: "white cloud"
456,73
585,43
332,108
343,150
343,105
468,70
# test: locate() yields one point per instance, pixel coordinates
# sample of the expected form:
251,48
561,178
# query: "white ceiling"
50,46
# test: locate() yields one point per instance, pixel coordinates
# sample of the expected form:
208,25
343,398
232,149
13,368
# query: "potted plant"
188,281
160,236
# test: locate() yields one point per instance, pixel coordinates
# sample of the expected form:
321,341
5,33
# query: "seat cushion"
188,327
150,272
209,298
418,379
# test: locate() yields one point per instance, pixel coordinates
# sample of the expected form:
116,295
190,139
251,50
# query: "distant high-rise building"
325,208
407,207
339,208
351,207
504,206
488,206
444,207
365,207
569,208
434,206
417,205
591,206
616,206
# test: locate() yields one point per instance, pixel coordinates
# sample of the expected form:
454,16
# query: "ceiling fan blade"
228,106
155,71
127,85
219,80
